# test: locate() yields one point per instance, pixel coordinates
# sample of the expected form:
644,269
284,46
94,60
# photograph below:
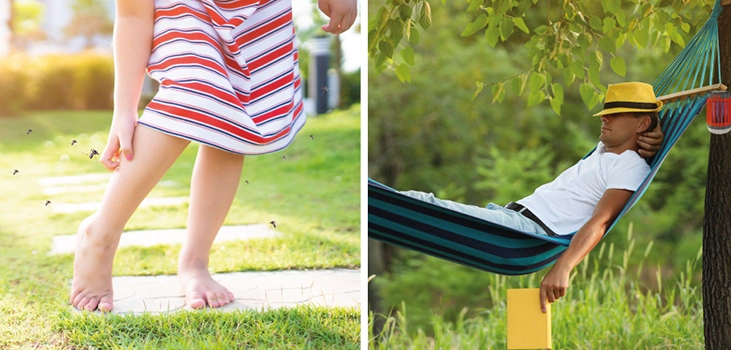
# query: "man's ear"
647,123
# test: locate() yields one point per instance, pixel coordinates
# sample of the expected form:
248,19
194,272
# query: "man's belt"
527,213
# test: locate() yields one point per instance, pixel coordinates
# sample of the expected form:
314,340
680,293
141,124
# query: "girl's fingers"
110,156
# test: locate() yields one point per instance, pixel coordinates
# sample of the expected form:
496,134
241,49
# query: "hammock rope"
412,224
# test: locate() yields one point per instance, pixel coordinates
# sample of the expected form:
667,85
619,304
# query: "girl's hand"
120,140
342,14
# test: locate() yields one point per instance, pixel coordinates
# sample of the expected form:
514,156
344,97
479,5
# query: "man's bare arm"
554,284
650,142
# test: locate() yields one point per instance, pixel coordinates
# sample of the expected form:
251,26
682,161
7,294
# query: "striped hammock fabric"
409,223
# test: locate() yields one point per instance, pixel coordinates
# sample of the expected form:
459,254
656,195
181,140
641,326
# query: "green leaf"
557,99
536,81
577,69
685,27
556,105
611,6
417,11
587,92
594,75
497,92
492,34
618,65
621,18
414,37
678,39
596,23
535,97
520,24
380,60
480,86
479,23
642,36
474,5
607,44
425,16
408,55
506,29
568,77
386,48
403,73
404,12
608,25
396,26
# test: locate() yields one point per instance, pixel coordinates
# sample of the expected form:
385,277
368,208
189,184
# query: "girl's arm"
132,44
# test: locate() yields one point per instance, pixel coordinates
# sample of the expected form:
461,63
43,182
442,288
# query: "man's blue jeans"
492,213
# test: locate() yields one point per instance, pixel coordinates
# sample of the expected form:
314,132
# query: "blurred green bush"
58,82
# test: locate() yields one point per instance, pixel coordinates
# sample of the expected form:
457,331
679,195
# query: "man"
588,196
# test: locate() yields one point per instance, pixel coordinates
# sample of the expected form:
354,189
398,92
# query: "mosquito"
92,153
73,142
247,181
284,157
29,131
48,202
16,171
273,223
312,137
324,89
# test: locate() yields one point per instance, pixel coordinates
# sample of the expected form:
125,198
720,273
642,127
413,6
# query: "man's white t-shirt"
568,202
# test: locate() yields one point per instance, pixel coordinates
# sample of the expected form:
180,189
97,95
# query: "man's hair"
654,120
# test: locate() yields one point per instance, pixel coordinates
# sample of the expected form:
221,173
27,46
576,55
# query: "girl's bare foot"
92,286
201,289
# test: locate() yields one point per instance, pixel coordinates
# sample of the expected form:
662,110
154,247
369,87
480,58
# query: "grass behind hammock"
604,308
313,195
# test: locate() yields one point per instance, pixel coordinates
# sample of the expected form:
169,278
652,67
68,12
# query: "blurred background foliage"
429,135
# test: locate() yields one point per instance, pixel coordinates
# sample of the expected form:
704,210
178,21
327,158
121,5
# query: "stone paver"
97,187
67,243
253,290
74,179
66,208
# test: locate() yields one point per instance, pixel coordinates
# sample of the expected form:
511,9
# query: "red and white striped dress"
228,74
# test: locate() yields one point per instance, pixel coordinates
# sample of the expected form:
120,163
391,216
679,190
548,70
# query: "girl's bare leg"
216,177
98,235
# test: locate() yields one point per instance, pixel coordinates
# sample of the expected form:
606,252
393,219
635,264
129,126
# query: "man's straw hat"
630,97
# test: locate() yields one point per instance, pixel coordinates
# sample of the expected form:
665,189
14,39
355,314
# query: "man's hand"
554,285
342,14
650,142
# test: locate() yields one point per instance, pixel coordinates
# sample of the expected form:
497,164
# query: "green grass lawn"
604,308
313,195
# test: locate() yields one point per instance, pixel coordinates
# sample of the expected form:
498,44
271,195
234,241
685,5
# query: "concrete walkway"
66,244
253,291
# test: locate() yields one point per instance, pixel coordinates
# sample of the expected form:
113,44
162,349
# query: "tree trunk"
717,220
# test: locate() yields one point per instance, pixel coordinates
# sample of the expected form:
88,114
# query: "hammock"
413,224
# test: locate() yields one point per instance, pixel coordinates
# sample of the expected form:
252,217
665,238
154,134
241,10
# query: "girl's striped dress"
228,74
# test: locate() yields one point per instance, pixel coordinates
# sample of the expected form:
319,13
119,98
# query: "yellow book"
528,326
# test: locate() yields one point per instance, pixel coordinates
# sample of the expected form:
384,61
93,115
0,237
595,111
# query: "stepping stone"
255,291
66,208
55,190
75,179
67,244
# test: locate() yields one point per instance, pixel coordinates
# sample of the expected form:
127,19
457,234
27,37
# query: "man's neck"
630,145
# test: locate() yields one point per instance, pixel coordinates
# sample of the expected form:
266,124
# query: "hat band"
636,105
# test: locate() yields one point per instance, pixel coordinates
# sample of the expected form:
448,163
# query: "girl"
229,80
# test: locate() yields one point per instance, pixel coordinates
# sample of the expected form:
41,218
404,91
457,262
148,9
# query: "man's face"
618,129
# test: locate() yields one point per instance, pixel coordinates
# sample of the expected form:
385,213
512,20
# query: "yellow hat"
630,97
